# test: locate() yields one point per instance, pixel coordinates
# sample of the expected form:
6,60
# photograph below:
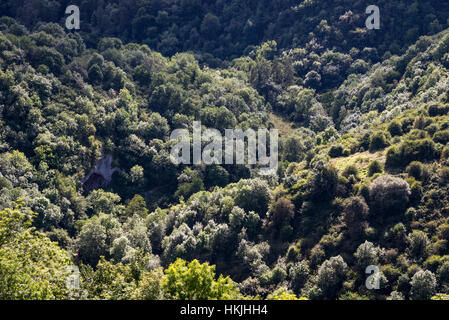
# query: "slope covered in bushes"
362,178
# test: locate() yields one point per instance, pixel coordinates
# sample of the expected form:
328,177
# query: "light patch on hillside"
360,160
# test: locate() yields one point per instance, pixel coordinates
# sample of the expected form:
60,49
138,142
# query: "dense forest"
87,183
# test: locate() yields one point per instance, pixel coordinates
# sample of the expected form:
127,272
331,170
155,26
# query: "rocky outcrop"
101,175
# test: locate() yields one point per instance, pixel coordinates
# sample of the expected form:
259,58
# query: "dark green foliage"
418,244
443,272
356,212
417,170
48,57
323,182
438,110
374,167
410,150
441,136
299,273
282,212
216,176
137,206
389,195
336,151
395,128
253,195
350,170
443,173
95,74
378,140
186,189
85,142
142,75
445,153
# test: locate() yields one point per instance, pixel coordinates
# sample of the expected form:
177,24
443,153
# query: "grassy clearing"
285,127
360,160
